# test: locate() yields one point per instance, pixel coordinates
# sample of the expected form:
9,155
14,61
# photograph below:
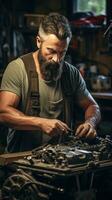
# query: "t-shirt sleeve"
81,89
78,84
12,77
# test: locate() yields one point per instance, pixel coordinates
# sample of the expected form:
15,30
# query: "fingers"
91,134
58,127
62,126
54,126
86,130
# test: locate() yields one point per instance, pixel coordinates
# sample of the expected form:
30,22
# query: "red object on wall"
90,20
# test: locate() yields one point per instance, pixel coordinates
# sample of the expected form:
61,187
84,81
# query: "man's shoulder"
69,69
17,62
26,55
69,78
15,68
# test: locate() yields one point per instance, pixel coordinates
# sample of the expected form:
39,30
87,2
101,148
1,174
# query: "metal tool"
70,133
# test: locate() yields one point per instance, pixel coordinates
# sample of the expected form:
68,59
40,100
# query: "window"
95,6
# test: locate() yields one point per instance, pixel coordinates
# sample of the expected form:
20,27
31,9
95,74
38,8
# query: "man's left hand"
86,130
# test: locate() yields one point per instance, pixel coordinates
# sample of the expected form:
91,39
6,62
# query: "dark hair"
56,24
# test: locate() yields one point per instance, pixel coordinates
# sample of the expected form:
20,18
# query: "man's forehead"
53,39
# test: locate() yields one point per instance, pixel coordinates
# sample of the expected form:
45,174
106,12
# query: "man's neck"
35,57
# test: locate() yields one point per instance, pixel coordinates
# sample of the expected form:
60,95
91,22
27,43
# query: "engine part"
63,171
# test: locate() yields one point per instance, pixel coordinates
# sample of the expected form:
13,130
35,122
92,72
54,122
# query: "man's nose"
56,58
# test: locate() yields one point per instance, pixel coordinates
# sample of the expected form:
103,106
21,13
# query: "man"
60,86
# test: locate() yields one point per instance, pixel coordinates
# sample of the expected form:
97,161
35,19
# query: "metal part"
21,186
56,171
107,30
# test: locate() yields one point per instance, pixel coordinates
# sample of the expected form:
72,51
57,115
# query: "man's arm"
12,117
92,117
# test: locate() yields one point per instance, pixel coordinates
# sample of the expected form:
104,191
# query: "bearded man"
60,86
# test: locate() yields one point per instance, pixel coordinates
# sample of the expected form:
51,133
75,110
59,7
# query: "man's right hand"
53,126
9,114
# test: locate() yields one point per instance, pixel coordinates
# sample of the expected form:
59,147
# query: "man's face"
51,56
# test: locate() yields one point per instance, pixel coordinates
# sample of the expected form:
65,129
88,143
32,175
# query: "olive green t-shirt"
15,80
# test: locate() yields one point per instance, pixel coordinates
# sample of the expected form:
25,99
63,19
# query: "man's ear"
38,42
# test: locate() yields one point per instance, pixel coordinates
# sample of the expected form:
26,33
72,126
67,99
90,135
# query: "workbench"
104,99
102,95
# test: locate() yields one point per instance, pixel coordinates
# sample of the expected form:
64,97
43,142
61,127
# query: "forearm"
92,115
13,118
19,121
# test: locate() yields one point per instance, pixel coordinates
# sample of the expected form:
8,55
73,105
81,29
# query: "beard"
50,70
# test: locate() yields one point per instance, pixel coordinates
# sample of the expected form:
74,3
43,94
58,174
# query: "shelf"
102,95
87,28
